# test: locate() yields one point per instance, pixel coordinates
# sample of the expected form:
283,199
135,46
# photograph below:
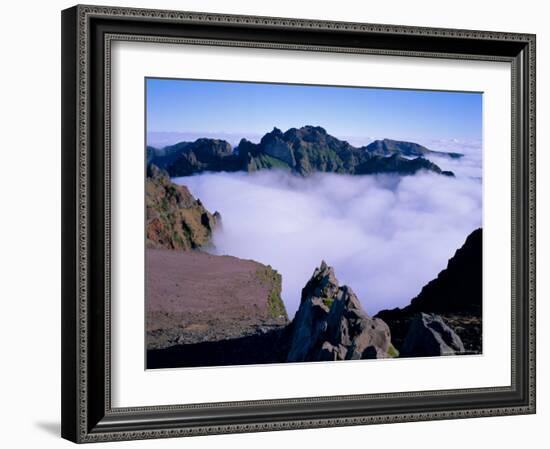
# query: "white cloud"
386,236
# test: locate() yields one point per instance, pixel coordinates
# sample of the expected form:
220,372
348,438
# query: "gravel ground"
194,297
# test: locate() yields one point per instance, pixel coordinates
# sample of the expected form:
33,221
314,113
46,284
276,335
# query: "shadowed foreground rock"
331,324
455,295
270,346
429,336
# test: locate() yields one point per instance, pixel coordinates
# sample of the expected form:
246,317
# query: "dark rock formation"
203,155
175,219
389,147
457,289
302,151
164,157
430,336
394,164
331,325
456,295
250,349
275,145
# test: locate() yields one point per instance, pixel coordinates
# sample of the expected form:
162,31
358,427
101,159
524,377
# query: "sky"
231,110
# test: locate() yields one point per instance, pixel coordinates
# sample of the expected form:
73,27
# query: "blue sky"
216,108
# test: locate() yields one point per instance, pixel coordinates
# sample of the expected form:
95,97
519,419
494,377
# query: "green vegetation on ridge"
302,151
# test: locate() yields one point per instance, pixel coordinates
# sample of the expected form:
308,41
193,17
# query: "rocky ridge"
174,218
301,151
429,336
330,324
387,147
455,295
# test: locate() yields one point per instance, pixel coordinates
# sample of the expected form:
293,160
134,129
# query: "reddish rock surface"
195,297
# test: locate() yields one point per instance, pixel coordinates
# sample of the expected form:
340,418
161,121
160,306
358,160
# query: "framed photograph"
277,223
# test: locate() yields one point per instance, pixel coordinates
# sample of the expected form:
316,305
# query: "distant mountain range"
302,151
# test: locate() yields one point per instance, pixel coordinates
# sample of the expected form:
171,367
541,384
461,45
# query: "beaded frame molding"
87,34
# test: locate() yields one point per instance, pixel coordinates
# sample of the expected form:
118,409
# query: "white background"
30,225
132,386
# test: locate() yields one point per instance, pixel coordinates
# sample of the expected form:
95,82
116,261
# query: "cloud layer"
386,236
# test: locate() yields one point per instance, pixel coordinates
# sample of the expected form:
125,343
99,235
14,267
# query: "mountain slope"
174,218
456,295
458,287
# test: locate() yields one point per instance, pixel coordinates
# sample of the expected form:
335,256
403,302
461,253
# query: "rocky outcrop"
273,281
275,145
204,155
387,147
395,164
175,219
331,324
430,336
455,295
302,151
165,157
457,288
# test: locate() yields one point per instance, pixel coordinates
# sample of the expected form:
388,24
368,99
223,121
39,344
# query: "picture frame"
87,411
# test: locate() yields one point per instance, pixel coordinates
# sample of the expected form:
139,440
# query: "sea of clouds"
386,236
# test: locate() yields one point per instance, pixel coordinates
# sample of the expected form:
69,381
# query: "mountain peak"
331,324
322,283
302,151
306,130
448,293
311,128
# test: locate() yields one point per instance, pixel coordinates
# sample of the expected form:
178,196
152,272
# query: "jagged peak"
323,282
215,141
306,130
324,270
244,140
318,129
331,324
292,132
276,133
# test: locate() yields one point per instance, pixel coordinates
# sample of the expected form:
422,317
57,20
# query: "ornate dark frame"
87,32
